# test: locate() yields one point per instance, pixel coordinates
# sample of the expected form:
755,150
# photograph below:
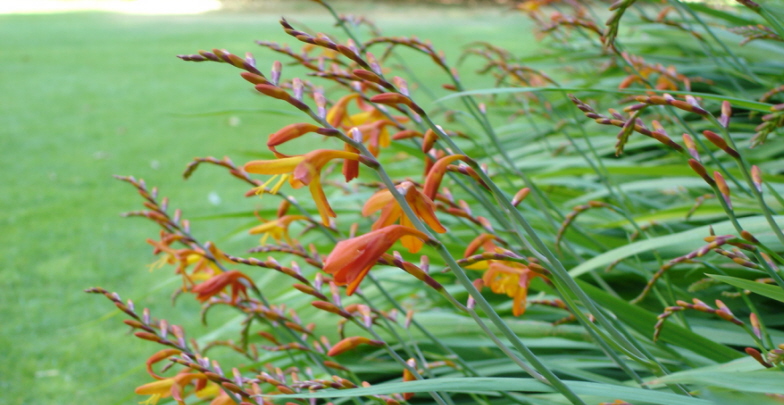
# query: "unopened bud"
723,188
756,177
520,196
700,170
351,343
717,140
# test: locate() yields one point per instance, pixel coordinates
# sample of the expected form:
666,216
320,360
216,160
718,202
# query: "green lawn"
85,96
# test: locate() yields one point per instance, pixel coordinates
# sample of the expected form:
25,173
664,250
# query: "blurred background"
91,89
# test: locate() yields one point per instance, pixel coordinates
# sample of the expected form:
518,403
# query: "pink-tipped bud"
755,325
756,177
689,142
723,188
275,72
297,87
726,113
401,84
373,62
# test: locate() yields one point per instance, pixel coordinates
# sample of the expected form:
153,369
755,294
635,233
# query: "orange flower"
371,122
304,169
391,212
238,281
171,387
353,258
504,277
512,279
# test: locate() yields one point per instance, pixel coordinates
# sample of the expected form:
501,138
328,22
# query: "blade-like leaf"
771,291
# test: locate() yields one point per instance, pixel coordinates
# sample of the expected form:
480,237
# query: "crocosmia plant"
601,226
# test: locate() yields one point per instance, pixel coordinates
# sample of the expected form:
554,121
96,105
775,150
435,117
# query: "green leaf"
683,242
764,381
484,384
644,321
771,291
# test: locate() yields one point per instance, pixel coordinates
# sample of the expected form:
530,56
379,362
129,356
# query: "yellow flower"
502,276
277,229
304,169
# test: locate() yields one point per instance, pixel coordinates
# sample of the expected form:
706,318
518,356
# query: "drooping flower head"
391,212
238,282
504,276
352,259
304,170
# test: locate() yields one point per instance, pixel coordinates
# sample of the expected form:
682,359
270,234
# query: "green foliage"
596,282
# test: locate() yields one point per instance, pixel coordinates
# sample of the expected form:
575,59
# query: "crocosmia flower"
353,258
391,212
304,169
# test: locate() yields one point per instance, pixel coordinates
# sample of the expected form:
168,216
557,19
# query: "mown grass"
86,96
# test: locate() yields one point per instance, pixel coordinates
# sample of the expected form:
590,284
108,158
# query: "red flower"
353,258
238,281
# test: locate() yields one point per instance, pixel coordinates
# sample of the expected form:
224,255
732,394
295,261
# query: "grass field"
88,95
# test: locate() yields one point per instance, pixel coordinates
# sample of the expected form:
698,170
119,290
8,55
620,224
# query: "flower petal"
277,166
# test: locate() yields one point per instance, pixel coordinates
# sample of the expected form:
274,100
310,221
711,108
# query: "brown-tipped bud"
254,78
756,355
396,98
149,336
290,132
520,196
332,364
717,140
748,236
700,170
232,387
429,141
351,343
756,177
330,307
283,208
723,188
134,323
724,313
406,134
273,91
448,86
310,291
368,76
283,389
351,54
